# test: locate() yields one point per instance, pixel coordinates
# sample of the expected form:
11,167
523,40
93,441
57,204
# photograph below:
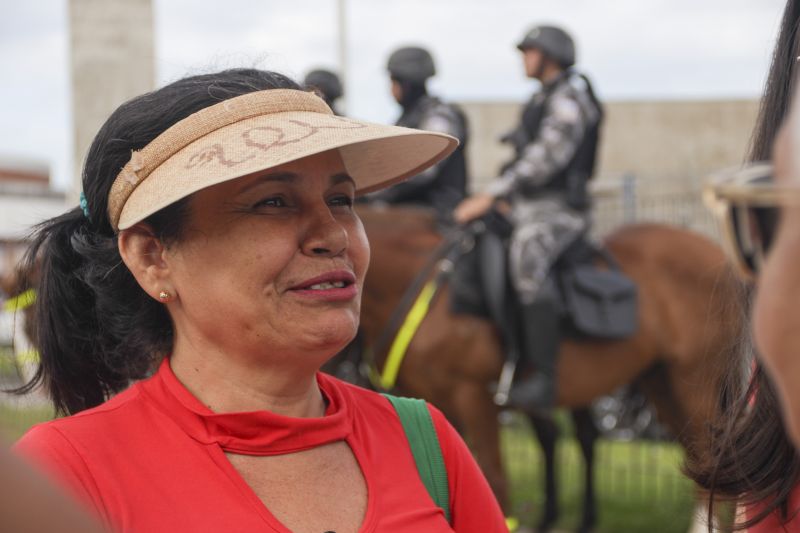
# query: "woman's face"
272,264
776,315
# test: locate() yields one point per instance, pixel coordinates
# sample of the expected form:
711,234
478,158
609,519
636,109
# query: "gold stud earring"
164,296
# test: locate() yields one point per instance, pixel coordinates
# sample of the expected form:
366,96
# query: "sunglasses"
747,204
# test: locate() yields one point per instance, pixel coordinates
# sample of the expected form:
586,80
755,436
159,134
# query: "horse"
689,316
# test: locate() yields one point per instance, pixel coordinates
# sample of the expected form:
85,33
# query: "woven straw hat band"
259,131
196,126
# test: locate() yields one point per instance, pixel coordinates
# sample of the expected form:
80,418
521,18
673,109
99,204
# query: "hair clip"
84,205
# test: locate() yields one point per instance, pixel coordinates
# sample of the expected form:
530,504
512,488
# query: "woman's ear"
145,256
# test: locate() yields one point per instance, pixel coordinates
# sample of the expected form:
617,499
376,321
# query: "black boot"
540,343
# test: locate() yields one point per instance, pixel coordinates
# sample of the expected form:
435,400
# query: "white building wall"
648,139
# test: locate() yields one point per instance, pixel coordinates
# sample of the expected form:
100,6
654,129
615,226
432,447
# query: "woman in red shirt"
217,245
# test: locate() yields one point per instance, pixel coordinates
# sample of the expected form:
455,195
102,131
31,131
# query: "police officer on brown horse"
544,186
443,185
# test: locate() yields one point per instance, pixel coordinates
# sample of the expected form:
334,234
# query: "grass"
17,414
15,421
639,485
8,367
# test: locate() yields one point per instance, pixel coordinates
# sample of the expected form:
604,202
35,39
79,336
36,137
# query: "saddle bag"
601,303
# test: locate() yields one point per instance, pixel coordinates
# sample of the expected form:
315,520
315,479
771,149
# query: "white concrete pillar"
112,59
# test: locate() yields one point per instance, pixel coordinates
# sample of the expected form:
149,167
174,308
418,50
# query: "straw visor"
258,131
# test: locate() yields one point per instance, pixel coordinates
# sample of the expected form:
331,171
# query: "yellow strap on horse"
20,301
27,357
405,334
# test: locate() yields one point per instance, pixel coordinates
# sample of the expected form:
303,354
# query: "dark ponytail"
96,329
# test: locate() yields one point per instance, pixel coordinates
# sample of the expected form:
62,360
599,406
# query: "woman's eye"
272,201
341,200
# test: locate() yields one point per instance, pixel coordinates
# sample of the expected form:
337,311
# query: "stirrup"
536,393
505,382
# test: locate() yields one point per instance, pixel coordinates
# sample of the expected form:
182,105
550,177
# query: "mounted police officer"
443,185
543,189
326,84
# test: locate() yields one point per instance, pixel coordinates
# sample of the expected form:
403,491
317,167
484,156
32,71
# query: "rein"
21,301
18,303
414,305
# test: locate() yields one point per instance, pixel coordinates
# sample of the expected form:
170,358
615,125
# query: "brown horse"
689,322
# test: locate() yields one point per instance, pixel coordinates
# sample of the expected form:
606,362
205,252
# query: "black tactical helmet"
326,82
553,41
411,63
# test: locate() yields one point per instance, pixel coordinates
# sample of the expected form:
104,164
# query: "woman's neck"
225,384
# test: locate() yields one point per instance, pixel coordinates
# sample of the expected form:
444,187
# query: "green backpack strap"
421,435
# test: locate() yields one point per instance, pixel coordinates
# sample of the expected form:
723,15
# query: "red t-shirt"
153,459
773,520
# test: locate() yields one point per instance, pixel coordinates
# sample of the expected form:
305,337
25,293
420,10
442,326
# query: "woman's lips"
332,286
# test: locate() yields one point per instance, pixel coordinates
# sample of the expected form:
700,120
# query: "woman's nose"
325,235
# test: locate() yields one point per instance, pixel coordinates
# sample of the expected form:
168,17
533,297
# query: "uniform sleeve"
46,448
562,131
473,505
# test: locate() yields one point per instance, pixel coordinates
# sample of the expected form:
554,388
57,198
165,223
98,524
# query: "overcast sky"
632,49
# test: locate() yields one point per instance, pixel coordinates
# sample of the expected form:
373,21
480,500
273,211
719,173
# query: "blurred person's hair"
779,85
750,458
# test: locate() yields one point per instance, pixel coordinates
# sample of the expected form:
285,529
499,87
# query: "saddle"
594,298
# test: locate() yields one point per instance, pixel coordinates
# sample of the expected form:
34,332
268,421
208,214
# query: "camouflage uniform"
443,185
546,181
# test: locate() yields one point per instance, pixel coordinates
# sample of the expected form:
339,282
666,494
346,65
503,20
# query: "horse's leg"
547,433
587,433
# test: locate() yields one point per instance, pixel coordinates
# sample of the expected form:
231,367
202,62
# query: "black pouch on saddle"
601,303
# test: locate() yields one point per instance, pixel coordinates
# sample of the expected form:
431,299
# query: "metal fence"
629,199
